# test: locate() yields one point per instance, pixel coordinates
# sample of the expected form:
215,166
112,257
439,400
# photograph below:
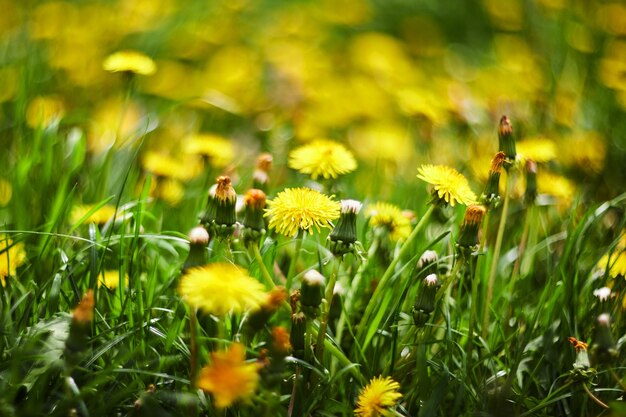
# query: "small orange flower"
577,344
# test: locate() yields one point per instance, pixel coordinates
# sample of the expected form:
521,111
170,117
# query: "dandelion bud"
531,182
208,217
311,292
296,337
468,236
259,318
253,222
226,201
506,141
491,195
604,350
198,242
343,235
76,341
260,177
280,345
428,262
425,300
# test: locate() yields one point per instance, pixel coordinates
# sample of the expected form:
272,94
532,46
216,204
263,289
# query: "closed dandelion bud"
296,337
530,195
253,222
280,346
198,242
259,318
468,236
506,140
208,217
491,195
311,292
226,202
343,235
261,177
76,341
604,350
428,262
425,300
335,305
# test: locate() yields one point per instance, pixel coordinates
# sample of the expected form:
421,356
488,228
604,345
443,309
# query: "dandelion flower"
377,397
219,150
111,279
229,377
12,255
44,111
322,158
100,216
448,184
219,288
296,209
390,218
537,149
616,262
166,166
129,61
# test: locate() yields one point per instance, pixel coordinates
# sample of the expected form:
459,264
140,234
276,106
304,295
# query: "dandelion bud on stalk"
491,195
225,210
254,222
428,262
311,292
506,140
343,236
82,317
468,236
198,242
296,337
259,318
261,177
425,301
530,195
208,218
604,350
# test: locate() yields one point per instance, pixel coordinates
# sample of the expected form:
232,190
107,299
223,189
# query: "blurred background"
399,82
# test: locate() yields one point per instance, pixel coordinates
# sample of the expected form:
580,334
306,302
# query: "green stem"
593,397
294,261
328,299
269,282
193,328
496,255
406,246
472,317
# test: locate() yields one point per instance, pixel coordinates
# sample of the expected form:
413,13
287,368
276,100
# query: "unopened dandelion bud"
226,202
296,337
428,262
311,292
506,140
76,341
491,195
208,218
426,296
335,305
530,195
198,242
280,346
604,350
344,235
468,236
259,318
261,177
254,222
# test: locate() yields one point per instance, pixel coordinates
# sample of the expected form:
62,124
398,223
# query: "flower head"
111,279
296,209
229,377
219,288
537,149
162,165
99,216
129,61
377,397
448,185
615,262
12,255
390,218
322,158
468,235
219,150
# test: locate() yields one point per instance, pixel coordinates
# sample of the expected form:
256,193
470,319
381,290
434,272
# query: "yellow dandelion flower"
219,288
616,262
12,255
111,279
296,209
165,166
44,111
100,216
391,218
322,158
377,397
229,377
555,185
537,149
448,184
169,190
129,61
6,192
219,150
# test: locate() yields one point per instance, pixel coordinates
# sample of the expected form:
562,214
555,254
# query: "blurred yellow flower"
390,218
382,141
556,186
220,288
377,397
322,158
6,192
615,262
228,377
12,255
100,216
44,111
111,279
448,184
537,149
169,190
296,209
218,149
129,61
162,165
587,150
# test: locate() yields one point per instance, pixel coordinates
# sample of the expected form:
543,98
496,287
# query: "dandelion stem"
269,282
496,255
406,246
593,397
328,297
193,326
294,260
